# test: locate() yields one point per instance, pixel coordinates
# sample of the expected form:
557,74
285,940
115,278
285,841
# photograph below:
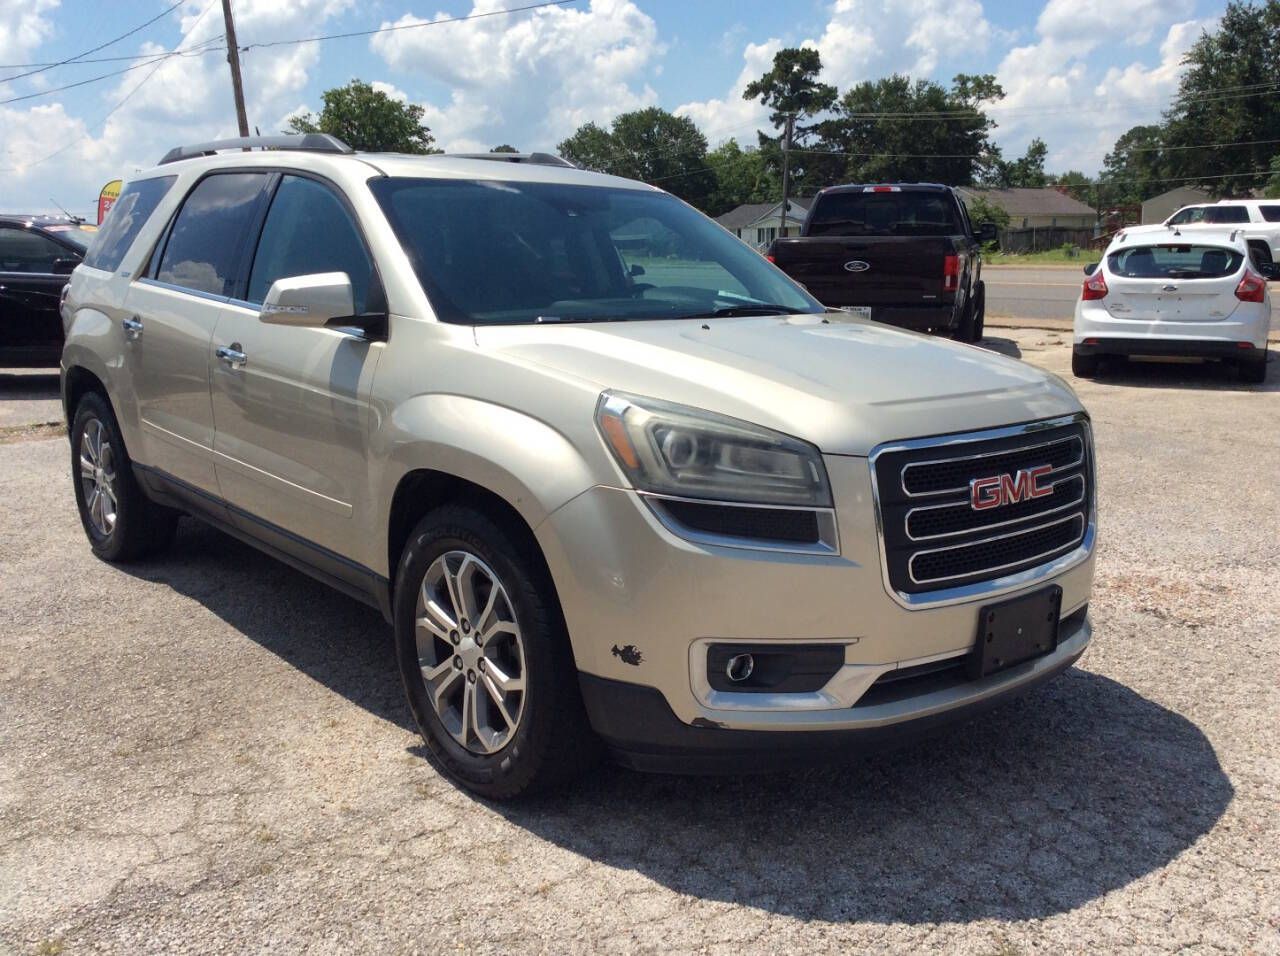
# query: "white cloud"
1053,91
734,117
542,74
23,27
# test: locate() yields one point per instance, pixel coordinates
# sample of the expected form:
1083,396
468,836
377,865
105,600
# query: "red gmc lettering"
1000,490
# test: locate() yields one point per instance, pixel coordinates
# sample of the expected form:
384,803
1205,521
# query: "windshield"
910,213
513,252
78,236
1175,262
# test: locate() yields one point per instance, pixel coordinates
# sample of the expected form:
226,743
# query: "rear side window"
22,250
1270,213
1226,214
134,207
205,243
309,230
885,214
1175,262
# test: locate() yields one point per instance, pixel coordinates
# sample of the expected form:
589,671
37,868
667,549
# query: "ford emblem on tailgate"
856,265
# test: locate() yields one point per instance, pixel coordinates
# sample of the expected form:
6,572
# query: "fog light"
740,667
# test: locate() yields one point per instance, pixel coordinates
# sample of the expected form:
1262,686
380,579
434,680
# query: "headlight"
676,450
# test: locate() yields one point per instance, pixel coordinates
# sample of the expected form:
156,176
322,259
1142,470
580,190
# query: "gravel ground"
211,754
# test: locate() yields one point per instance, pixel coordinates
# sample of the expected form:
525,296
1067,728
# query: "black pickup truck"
905,254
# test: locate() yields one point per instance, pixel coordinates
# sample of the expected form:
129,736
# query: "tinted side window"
22,250
308,230
134,207
204,245
1270,213
1226,214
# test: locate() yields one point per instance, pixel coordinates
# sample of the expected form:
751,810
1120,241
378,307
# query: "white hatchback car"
1168,294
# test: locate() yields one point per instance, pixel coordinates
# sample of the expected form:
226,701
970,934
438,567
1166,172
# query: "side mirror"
987,232
64,267
1091,268
312,300
636,271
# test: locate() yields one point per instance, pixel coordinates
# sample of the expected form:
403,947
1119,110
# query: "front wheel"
121,522
485,658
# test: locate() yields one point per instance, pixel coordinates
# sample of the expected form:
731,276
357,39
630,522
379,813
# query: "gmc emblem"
1001,490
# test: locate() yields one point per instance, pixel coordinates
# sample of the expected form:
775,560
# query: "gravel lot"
211,754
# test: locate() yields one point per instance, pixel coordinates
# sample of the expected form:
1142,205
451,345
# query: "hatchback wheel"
1253,371
485,659
122,523
1083,366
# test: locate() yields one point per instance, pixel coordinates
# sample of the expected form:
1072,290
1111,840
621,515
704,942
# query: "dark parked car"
905,254
37,256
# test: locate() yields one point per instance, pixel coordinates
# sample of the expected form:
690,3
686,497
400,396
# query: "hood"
843,384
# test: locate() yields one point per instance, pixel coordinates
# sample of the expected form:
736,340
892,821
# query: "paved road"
211,753
1033,293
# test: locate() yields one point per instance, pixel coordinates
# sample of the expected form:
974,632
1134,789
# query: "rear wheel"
1083,366
121,522
485,658
980,312
1253,371
1260,253
964,332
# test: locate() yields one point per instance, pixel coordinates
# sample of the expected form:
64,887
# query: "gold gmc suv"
616,481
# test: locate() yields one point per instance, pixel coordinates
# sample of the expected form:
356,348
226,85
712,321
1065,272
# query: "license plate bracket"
1015,631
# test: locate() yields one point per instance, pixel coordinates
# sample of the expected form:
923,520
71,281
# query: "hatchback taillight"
950,273
1095,287
1251,288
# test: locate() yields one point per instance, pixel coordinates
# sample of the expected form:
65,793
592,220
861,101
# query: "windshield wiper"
563,319
764,308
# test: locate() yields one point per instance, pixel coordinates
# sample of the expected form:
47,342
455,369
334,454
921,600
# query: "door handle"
132,328
232,355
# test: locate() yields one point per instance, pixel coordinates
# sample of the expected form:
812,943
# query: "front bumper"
644,734
641,603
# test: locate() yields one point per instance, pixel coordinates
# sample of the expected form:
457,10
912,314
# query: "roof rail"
314,142
540,159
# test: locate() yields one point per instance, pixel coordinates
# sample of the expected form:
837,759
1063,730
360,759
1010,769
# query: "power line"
103,46
406,26
92,79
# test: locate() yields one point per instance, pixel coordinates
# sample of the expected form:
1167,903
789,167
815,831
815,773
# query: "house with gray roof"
758,224
1037,208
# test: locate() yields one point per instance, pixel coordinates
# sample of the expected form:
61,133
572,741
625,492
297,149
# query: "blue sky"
1072,74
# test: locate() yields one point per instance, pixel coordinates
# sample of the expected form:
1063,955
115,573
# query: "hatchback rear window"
905,213
1175,262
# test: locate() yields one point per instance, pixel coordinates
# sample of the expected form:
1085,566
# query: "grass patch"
50,947
1052,257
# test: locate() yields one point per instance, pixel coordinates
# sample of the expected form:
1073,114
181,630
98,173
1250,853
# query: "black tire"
552,742
1253,371
1083,366
138,527
1260,253
964,331
980,312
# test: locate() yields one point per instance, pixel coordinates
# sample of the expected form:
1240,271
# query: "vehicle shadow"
1210,376
1003,346
1053,800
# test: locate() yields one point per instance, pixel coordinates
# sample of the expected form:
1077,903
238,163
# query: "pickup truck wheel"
1253,371
1083,366
964,331
485,658
980,312
122,523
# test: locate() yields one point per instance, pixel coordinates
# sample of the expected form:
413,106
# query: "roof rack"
540,159
312,142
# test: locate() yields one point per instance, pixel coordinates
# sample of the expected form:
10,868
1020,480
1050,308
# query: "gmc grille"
934,539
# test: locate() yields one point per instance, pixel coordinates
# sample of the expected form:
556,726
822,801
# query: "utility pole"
786,171
233,57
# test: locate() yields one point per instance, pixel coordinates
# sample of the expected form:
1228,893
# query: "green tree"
650,145
1076,184
1272,189
791,86
1135,169
368,119
876,128
504,148
741,176
981,211
1025,172
1227,96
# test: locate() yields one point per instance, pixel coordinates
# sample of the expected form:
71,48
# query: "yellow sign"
106,199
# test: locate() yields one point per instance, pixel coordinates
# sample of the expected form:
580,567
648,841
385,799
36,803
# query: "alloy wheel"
98,476
470,652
